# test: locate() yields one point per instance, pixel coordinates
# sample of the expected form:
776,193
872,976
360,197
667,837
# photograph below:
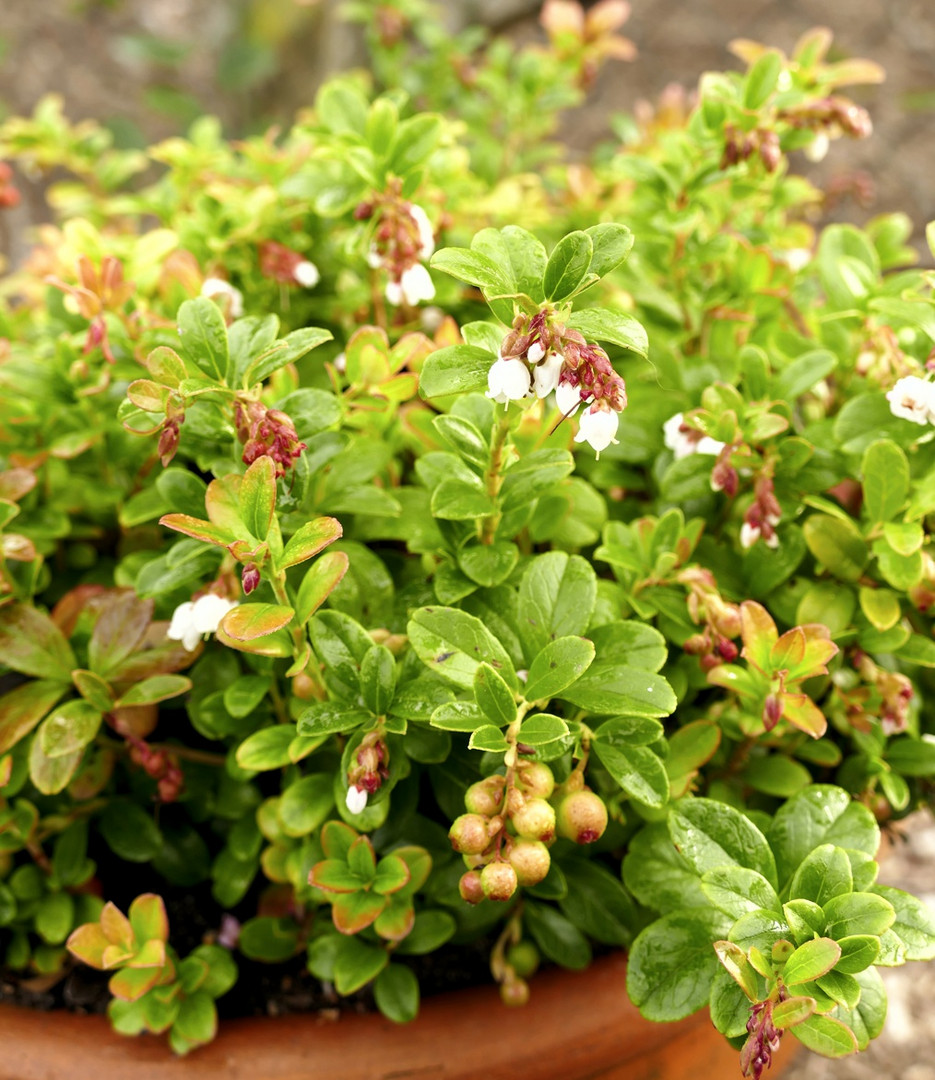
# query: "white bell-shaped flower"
356,799
507,380
218,289
535,352
546,374
598,428
681,443
426,233
306,274
749,534
567,398
913,399
195,618
414,286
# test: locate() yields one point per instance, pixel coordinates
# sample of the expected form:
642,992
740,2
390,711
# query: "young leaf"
557,666
568,266
257,497
204,336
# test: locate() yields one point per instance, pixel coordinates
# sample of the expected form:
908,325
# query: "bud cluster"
266,432
286,266
402,240
893,690
161,765
762,1040
370,768
169,436
830,118
97,291
762,516
720,619
510,822
742,145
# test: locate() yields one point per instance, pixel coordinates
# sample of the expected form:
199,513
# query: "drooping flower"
547,373
195,618
414,286
507,380
683,440
598,427
913,399
306,274
425,231
567,398
230,297
356,799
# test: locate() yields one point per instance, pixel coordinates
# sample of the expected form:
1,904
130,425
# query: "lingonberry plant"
392,624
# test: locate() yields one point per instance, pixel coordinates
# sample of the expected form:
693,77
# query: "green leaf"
858,913
319,582
885,471
429,932
287,351
632,643
597,903
558,938
493,696
914,925
378,679
269,939
520,255
474,268
204,336
489,564
69,728
672,964
245,693
305,804
21,709
458,716
557,666
607,689
658,875
542,729
775,774
711,834
568,266
455,500
356,964
308,540
267,748
488,738
32,644
737,890
823,874
616,327
353,912
54,917
611,244
247,622
837,545
637,770
130,832
454,644
826,1036
858,952
867,1019
257,497
910,757
464,437
822,814
556,599
761,79
396,992
392,874
154,689
810,961
118,631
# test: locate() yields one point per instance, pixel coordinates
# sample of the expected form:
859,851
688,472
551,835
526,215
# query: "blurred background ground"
148,67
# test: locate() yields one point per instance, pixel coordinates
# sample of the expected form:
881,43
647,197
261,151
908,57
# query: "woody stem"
494,478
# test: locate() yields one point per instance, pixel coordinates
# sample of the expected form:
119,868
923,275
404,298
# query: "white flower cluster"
195,618
509,380
682,443
415,283
913,399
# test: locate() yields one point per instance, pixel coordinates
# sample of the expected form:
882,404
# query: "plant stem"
494,478
300,645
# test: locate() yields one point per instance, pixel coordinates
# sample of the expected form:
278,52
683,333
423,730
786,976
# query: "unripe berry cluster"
503,837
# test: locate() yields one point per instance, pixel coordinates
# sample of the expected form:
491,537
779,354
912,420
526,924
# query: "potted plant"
402,526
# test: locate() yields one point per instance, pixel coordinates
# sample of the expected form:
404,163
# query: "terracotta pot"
577,1026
